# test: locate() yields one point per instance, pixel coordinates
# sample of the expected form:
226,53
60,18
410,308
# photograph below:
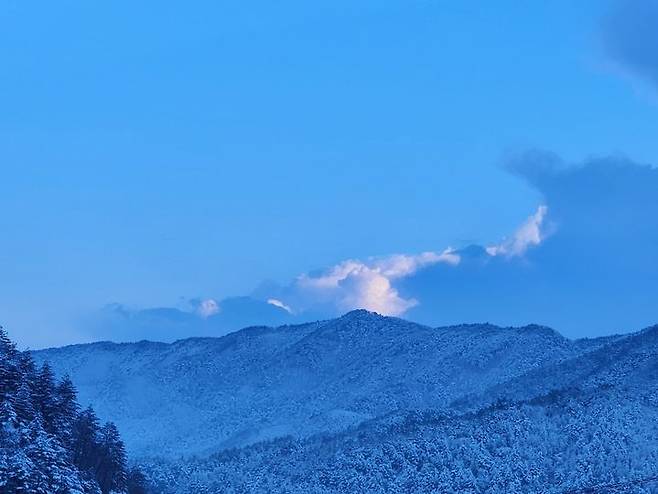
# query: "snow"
378,404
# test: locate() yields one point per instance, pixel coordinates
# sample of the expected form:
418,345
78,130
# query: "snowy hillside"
570,444
201,395
366,403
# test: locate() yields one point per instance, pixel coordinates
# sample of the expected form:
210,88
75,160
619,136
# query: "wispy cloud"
530,234
277,303
371,284
207,307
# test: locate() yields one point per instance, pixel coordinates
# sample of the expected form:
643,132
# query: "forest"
48,444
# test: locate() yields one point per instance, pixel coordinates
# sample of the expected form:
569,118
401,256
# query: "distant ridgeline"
366,403
47,444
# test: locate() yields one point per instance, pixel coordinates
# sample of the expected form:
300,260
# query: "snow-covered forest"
366,403
567,444
48,445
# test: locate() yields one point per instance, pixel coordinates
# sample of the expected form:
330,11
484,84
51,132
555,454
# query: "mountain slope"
625,366
202,395
571,445
587,423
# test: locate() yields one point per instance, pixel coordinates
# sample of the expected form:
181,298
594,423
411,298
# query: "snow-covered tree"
66,411
47,446
44,396
9,374
112,465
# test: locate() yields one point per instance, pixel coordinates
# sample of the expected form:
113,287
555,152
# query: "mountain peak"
539,329
650,330
360,314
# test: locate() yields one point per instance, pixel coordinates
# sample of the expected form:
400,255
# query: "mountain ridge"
370,403
351,315
263,382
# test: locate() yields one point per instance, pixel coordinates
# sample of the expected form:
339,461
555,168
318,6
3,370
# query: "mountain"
625,366
366,403
201,395
574,444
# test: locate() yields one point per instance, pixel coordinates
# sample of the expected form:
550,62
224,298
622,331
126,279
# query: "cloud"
206,308
530,234
585,262
593,272
368,288
355,284
199,317
630,37
603,206
278,303
373,284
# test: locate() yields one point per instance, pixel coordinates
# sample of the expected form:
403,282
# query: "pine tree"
85,441
7,347
111,471
28,370
8,417
23,403
136,482
46,445
51,472
15,471
67,410
44,396
26,365
9,375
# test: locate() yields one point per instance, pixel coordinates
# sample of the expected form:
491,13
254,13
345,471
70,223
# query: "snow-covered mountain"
565,443
201,395
366,403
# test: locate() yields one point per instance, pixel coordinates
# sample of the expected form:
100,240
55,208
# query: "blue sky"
153,152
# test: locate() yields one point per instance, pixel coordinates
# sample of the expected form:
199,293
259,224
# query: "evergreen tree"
67,410
8,417
7,347
44,396
27,370
136,482
9,375
26,365
111,470
51,472
15,471
85,441
47,446
23,403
